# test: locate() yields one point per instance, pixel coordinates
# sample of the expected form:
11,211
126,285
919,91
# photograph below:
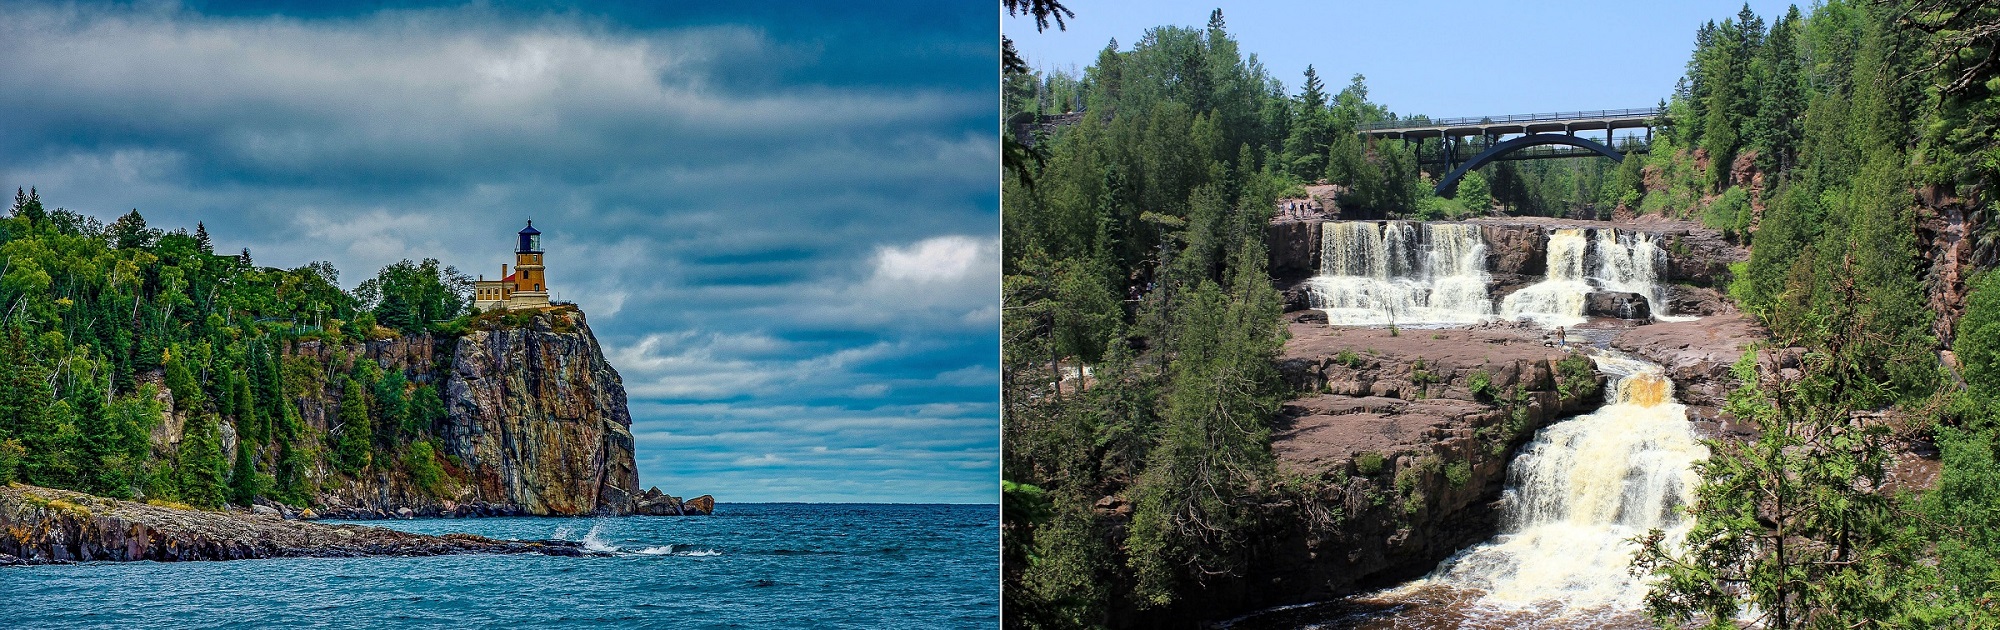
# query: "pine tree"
201,239
201,470
355,431
245,483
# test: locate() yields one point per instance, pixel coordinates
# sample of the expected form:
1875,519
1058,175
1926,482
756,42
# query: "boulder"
264,510
1619,304
702,505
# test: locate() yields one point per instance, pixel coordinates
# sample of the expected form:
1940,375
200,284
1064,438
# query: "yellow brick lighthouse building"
526,287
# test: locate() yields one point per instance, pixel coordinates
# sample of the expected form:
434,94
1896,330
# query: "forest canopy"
108,329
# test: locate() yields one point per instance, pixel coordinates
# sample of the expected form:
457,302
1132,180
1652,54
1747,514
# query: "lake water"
748,566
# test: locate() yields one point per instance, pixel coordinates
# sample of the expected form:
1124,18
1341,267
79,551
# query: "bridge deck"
1419,128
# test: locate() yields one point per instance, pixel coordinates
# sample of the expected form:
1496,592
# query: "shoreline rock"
49,526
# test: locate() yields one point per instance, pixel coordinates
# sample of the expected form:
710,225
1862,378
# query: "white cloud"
940,259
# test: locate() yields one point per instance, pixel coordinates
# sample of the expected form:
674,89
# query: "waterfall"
1579,492
1558,299
1626,261
1401,273
1630,261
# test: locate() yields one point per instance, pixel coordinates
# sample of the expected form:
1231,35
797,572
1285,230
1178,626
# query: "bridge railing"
1421,122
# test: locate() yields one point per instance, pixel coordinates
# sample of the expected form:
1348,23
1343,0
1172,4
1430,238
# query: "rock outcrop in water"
42,525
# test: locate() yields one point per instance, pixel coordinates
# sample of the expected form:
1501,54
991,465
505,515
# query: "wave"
678,550
593,542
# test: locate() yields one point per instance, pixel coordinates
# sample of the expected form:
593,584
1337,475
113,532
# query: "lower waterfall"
1575,497
1580,491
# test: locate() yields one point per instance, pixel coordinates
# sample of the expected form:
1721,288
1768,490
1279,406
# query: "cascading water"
1580,491
1374,274
1626,261
1630,261
1558,299
1576,496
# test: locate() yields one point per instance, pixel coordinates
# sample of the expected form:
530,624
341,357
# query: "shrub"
1458,474
1481,384
423,465
1369,463
11,453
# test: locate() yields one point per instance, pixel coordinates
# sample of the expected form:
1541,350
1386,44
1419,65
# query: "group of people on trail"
1298,209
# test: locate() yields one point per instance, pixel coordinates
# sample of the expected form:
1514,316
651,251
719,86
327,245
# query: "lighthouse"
526,287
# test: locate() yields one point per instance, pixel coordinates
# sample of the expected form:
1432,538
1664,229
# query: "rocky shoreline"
48,526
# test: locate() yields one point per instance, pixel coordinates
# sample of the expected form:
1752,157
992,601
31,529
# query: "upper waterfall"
1401,273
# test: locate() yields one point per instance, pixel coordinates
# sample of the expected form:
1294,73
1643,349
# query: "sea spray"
594,540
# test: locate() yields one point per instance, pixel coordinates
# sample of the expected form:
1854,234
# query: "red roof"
509,278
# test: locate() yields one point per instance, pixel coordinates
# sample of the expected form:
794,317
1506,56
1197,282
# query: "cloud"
783,226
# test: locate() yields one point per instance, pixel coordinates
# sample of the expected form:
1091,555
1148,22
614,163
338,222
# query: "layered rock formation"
1400,442
536,423
42,525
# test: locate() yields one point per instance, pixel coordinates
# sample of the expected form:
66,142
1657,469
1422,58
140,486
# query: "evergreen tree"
355,433
202,469
201,239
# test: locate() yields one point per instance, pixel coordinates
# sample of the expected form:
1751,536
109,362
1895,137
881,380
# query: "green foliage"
201,470
1458,474
245,483
410,296
1576,376
1480,383
1795,523
1348,358
1369,464
1474,193
421,460
353,438
1729,213
11,454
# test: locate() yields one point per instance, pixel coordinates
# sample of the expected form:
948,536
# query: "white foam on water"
1374,274
593,540
678,550
1577,495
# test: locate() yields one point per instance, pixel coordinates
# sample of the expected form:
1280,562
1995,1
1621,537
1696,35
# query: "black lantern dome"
531,239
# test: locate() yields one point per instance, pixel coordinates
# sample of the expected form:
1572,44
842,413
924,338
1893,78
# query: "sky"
1442,59
781,220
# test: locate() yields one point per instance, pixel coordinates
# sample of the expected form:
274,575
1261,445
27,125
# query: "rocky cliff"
535,422
1396,452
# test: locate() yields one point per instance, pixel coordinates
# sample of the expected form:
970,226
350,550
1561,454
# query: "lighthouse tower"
526,287
531,288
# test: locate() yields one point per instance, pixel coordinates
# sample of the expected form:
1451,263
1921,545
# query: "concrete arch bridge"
1469,143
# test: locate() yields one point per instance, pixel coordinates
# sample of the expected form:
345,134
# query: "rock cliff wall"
535,423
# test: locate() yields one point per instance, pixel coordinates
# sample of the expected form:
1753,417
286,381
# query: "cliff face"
540,421
535,423
1401,444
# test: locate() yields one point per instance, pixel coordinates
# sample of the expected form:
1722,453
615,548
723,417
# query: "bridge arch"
1450,181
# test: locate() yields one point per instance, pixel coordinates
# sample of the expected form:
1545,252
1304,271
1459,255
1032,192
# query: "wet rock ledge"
1395,451
47,526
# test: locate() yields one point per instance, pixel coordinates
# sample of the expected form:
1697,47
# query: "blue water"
748,566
